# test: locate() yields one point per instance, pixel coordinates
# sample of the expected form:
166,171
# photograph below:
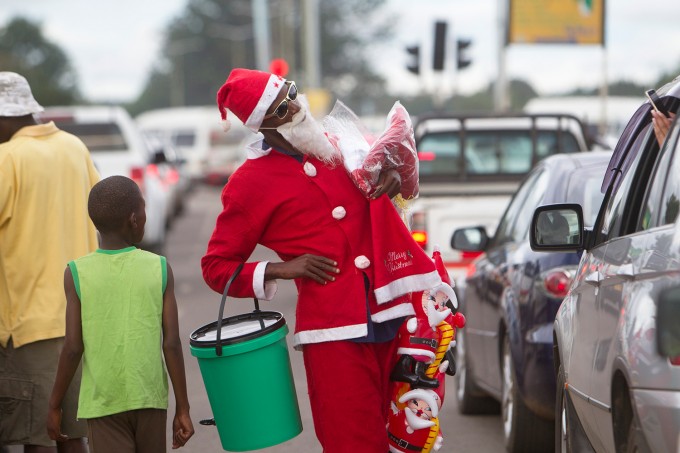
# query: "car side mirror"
668,322
471,239
557,227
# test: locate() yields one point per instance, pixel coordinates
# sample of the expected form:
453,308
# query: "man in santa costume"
294,196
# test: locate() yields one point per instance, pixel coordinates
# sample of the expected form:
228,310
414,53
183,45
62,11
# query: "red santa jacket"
294,209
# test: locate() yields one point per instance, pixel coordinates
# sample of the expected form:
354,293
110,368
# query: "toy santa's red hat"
439,264
248,94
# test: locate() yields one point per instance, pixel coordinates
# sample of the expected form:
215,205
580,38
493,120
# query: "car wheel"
636,442
569,437
471,400
523,431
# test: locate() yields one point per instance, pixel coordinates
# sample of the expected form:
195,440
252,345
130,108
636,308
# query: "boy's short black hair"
111,202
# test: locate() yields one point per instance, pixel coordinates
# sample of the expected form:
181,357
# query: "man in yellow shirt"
45,179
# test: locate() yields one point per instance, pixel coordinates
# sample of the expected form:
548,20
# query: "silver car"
616,393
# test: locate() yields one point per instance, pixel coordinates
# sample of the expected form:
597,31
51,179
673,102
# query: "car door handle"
626,272
594,278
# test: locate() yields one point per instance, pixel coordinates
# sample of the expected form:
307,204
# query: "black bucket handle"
218,343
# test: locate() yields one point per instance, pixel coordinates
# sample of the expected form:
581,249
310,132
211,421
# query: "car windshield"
584,189
488,152
98,137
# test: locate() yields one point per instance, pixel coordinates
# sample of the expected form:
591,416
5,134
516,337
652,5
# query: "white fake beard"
307,136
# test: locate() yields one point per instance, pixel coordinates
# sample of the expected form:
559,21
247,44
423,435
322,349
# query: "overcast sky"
113,44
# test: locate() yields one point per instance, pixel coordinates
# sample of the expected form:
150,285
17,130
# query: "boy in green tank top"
120,310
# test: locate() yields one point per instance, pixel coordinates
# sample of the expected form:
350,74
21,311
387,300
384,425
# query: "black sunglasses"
281,110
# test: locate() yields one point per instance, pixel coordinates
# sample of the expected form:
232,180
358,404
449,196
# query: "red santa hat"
401,264
439,264
248,94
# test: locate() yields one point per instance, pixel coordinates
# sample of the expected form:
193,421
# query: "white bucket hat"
16,98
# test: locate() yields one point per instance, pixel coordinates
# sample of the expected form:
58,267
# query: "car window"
533,200
650,209
184,138
584,189
670,202
439,154
98,137
489,152
614,214
625,210
506,231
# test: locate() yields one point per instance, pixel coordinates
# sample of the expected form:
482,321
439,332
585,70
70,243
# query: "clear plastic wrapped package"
365,155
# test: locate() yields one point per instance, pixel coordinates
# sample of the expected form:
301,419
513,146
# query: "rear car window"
488,152
186,139
98,137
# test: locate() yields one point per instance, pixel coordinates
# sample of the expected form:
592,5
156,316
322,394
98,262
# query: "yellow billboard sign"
556,22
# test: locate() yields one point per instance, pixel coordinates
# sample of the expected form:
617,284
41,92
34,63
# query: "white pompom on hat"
248,94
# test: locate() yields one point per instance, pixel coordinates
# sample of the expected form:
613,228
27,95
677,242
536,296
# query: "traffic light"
462,60
439,46
414,65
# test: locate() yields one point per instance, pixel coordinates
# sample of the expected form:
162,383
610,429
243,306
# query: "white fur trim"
264,290
396,288
272,89
429,396
414,351
332,334
398,311
255,151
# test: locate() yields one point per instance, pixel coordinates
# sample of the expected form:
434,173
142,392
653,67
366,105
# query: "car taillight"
557,282
137,175
418,229
420,237
152,170
426,155
172,177
471,269
467,256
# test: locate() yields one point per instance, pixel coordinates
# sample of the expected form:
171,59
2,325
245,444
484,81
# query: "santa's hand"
389,182
318,268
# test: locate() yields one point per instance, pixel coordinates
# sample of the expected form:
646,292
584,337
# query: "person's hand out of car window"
661,125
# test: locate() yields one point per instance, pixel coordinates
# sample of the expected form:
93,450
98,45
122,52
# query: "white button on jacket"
310,169
339,213
362,262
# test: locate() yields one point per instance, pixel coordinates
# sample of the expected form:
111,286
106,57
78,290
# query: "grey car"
616,393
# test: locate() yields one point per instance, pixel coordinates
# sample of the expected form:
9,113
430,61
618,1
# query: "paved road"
198,305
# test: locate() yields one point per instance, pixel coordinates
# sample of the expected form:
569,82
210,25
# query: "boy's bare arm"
69,359
182,427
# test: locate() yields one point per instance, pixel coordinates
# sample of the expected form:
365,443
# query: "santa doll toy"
419,339
415,427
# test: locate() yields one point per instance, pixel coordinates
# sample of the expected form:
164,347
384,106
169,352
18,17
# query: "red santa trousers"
349,391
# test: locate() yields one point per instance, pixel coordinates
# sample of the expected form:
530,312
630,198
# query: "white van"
212,155
117,148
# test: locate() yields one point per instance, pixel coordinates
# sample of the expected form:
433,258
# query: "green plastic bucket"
246,370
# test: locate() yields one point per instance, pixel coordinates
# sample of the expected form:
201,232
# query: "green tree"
24,50
211,37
